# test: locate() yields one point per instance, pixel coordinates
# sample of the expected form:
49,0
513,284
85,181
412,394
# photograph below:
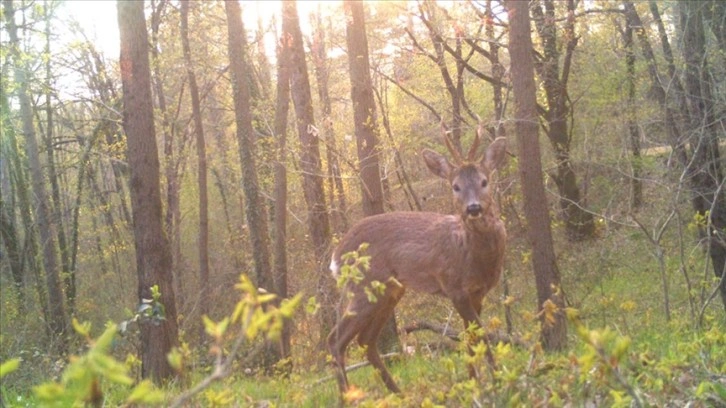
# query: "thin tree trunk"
282,109
10,174
29,247
401,172
171,219
59,318
256,211
335,181
153,253
12,247
673,124
69,276
636,184
318,221
539,234
366,134
578,222
201,167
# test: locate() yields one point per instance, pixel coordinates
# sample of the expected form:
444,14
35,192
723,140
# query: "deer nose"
473,209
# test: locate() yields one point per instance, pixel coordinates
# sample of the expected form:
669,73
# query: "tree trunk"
636,184
29,247
671,117
539,234
282,109
171,220
68,275
318,221
58,317
366,133
256,211
497,72
9,237
153,253
578,222
454,88
320,61
704,172
201,168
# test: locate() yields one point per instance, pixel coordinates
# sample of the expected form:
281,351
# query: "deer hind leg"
356,318
368,338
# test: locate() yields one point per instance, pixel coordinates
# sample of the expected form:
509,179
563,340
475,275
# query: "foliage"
82,381
622,349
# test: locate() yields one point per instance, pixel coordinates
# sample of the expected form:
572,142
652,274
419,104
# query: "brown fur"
456,256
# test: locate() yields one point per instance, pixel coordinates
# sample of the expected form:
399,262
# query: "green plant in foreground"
83,380
257,314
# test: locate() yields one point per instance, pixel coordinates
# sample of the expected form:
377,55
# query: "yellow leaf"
353,394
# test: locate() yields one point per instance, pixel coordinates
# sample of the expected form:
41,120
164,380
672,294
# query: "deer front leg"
468,312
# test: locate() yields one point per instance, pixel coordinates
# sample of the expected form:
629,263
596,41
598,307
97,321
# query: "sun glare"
98,19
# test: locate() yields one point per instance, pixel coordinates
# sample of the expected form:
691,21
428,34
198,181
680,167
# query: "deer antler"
455,154
472,155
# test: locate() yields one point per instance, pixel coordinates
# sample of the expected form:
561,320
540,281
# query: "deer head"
468,178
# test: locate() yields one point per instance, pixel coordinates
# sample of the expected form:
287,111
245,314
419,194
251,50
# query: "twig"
354,367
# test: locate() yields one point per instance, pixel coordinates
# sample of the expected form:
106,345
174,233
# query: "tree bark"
203,243
636,184
366,134
704,170
68,275
153,253
578,222
9,236
539,234
282,109
318,220
172,215
256,211
58,316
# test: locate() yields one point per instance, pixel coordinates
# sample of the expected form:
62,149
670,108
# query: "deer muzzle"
474,210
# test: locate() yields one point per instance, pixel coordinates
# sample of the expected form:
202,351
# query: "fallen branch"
355,367
447,331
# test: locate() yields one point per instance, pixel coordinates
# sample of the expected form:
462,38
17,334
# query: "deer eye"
456,188
484,183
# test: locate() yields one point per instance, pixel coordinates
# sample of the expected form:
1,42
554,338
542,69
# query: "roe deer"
456,256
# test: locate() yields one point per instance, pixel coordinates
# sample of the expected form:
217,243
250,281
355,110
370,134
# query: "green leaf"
103,343
111,369
9,366
312,306
84,329
145,393
175,359
49,392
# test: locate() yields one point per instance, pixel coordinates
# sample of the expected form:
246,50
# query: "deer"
458,256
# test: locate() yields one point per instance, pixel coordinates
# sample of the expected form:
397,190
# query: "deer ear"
437,163
496,154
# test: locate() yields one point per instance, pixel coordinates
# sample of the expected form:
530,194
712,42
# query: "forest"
169,210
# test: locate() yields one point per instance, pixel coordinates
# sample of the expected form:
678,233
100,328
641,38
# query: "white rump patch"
334,268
